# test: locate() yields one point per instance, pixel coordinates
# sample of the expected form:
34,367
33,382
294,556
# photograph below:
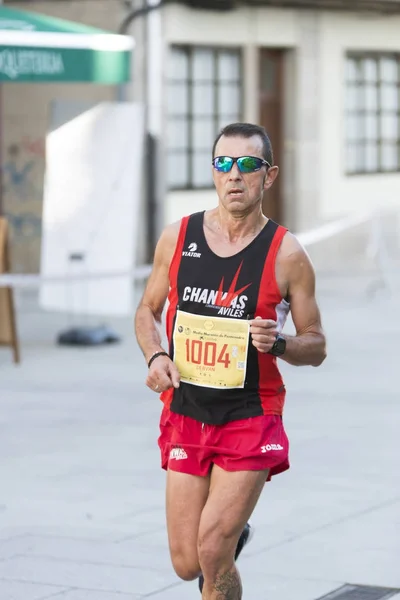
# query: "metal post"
151,146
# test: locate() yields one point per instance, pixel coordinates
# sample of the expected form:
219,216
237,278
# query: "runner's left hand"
263,333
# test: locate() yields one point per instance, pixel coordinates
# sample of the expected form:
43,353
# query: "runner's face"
240,192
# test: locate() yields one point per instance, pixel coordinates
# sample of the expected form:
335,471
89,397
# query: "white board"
91,208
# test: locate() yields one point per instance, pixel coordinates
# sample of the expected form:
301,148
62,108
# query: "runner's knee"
216,548
186,567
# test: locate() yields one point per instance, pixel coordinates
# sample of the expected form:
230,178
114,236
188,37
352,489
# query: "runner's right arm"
162,372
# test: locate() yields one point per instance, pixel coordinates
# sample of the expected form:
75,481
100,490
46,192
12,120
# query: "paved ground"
82,494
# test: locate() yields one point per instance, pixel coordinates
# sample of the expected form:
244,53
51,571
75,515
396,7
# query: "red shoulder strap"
269,285
276,243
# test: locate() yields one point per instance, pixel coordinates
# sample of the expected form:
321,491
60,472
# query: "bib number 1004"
206,353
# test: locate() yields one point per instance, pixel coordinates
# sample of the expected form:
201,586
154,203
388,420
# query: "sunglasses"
246,164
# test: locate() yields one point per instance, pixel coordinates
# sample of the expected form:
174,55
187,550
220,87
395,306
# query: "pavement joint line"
286,575
12,537
68,537
8,558
28,581
344,519
65,591
83,589
91,540
143,511
86,562
78,589
139,535
165,589
57,559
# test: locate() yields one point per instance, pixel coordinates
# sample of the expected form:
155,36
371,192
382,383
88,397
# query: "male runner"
231,276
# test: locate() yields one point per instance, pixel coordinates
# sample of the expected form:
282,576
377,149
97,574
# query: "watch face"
280,346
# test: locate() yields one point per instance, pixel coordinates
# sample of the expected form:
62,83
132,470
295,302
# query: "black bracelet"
156,355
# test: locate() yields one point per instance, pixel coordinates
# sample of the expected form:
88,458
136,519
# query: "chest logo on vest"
231,303
191,252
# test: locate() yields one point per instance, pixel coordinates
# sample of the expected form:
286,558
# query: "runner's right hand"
163,375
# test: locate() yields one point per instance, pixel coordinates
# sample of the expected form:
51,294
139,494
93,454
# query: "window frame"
190,118
360,56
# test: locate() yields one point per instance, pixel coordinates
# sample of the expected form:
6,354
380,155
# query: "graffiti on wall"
24,226
22,179
19,177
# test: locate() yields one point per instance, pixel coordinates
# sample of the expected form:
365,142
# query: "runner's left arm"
308,346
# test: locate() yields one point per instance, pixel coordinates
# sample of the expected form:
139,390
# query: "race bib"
211,351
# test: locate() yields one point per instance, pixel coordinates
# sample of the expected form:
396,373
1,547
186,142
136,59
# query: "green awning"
38,48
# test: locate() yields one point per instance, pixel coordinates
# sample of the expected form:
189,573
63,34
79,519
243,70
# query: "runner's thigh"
231,501
186,497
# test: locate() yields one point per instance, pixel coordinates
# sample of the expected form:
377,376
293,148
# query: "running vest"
223,377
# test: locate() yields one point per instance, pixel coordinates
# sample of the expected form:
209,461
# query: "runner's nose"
235,174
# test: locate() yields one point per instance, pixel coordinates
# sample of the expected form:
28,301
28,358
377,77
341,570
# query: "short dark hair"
247,130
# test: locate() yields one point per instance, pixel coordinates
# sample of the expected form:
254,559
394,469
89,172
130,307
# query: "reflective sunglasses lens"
248,164
223,164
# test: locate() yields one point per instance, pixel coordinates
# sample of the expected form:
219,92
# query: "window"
204,95
372,113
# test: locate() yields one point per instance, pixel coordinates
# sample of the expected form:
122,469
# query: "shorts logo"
270,447
178,454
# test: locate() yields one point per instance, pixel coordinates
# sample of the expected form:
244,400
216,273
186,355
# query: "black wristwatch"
279,346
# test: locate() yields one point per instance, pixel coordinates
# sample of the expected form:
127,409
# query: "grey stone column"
306,198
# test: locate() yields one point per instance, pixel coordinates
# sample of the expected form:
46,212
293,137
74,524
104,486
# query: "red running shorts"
253,444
